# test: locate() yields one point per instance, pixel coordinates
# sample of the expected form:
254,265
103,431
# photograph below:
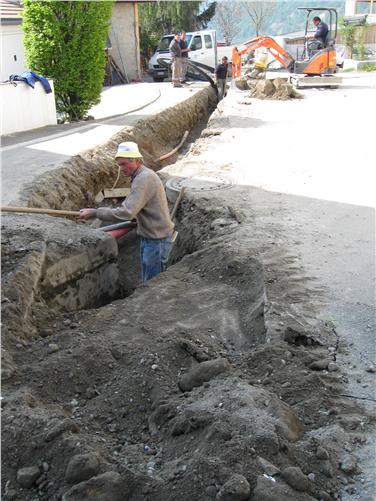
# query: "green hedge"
65,41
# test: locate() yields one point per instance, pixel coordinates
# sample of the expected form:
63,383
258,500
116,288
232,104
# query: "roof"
10,12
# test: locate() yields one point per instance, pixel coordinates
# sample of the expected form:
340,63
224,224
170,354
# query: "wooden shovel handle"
33,210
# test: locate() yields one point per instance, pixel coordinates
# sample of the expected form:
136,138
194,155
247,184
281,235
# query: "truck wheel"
158,79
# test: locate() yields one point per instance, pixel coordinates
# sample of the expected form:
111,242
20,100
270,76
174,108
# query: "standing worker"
175,53
147,203
221,76
236,63
184,57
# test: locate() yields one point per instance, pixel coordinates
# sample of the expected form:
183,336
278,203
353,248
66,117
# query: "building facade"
12,49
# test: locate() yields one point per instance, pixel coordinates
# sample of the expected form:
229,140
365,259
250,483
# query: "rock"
269,490
322,453
203,372
267,467
53,347
300,337
241,84
90,393
81,467
295,478
311,477
348,464
109,486
211,491
324,496
332,367
61,427
236,488
371,369
326,469
26,477
45,332
319,365
11,495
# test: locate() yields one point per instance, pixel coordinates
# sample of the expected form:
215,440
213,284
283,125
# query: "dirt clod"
27,476
81,467
236,488
203,372
294,477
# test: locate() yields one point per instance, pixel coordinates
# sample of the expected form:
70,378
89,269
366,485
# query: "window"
208,42
197,44
165,43
365,7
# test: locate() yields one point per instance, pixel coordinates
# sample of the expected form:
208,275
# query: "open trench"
178,388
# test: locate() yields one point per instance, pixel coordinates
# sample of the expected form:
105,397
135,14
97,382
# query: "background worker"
184,56
175,53
321,30
147,203
318,39
221,77
236,63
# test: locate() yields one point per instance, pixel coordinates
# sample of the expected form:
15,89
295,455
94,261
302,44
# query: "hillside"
286,18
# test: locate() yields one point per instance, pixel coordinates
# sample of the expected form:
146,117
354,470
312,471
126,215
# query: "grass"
368,67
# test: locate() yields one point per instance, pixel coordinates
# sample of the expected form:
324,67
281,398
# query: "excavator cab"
318,56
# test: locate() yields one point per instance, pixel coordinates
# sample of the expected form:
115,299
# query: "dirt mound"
277,88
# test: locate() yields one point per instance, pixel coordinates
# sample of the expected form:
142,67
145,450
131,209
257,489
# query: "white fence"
24,108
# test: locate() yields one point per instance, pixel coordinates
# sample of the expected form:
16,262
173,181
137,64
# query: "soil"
215,380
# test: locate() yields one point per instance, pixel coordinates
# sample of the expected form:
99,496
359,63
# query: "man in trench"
147,203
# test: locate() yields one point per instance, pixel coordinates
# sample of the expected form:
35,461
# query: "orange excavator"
315,65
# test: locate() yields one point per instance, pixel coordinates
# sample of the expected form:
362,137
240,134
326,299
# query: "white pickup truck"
204,50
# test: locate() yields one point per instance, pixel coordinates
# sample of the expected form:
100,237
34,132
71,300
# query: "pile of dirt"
277,88
261,88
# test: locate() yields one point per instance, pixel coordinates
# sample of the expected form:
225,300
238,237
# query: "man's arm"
139,195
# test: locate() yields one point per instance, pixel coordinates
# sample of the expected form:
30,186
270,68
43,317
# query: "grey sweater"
174,48
147,203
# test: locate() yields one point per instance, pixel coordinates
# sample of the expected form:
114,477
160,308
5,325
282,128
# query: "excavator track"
302,81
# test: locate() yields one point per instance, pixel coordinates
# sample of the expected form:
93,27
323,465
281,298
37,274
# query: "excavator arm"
278,52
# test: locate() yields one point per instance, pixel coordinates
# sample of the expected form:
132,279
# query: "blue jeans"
154,255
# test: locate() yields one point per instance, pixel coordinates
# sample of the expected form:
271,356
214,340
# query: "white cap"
128,150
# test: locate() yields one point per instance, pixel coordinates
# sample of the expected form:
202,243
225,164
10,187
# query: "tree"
65,41
159,18
227,16
259,12
348,33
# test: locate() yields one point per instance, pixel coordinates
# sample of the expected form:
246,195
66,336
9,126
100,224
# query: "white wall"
350,7
12,51
24,108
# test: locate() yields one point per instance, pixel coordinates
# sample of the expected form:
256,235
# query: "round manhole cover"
199,183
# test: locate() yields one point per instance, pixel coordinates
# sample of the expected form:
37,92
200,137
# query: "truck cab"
203,45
